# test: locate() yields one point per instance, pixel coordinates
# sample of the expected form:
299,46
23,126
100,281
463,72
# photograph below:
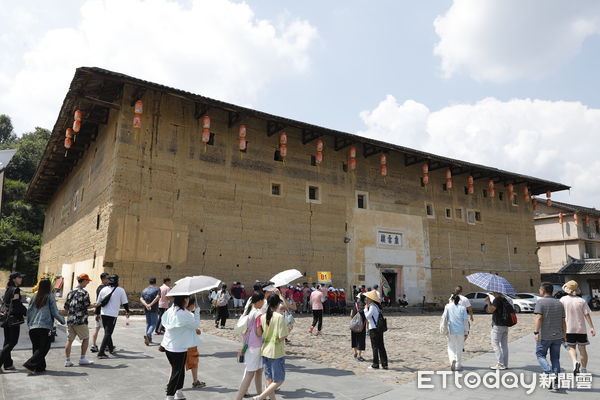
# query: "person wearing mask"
111,298
14,316
149,299
222,304
372,311
358,339
316,304
181,333
253,344
458,320
40,318
163,304
77,305
577,312
98,318
273,329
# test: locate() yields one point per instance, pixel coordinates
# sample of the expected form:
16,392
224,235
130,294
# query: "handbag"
357,323
444,325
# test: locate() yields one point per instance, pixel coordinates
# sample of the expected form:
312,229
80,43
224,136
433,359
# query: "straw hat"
571,287
373,295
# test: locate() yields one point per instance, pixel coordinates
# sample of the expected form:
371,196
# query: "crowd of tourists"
266,317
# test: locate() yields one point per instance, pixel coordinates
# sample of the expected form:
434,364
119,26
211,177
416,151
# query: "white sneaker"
179,395
68,363
170,398
85,361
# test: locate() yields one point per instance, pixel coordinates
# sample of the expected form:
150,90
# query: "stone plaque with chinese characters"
389,239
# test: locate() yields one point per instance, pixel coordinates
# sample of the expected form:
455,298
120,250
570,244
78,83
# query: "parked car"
529,296
522,305
478,303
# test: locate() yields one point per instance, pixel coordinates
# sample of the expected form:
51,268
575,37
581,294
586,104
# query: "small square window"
482,247
362,200
485,193
448,213
444,187
429,209
313,194
500,196
514,250
458,213
477,216
515,200
276,189
466,190
277,156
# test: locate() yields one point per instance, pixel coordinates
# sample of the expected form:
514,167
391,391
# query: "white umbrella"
193,284
285,277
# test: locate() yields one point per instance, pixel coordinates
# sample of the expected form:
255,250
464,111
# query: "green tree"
30,148
7,134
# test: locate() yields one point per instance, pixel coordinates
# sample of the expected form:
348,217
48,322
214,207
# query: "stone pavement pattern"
141,372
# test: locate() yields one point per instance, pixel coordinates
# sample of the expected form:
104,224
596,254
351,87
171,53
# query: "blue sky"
508,83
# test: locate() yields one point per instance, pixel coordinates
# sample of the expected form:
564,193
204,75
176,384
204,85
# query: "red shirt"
331,296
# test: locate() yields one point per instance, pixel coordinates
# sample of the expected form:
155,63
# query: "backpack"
381,324
508,316
357,323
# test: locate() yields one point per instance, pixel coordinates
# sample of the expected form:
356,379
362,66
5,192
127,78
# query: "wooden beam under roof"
341,142
310,135
274,127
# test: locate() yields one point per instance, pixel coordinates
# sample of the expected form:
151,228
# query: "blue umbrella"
491,282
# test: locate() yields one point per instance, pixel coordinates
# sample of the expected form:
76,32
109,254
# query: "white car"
529,296
522,305
478,302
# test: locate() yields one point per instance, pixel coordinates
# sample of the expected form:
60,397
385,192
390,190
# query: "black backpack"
508,317
381,323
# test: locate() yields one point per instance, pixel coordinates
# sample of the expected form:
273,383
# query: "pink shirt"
575,310
316,300
163,302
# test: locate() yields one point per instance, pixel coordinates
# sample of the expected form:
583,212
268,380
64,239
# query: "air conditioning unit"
591,235
586,255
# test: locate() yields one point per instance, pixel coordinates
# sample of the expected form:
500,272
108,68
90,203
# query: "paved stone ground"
141,372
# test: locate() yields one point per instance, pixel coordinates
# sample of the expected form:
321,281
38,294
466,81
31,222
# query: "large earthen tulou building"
144,195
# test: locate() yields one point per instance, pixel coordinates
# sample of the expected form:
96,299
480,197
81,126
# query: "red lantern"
425,171
282,138
283,151
68,142
69,133
470,185
205,135
425,179
319,145
242,144
526,194
534,204
560,218
548,199
242,131
78,115
576,219
206,122
76,126
382,159
352,164
137,121
383,170
587,220
352,152
139,107
491,191
511,191
319,158
470,180
448,179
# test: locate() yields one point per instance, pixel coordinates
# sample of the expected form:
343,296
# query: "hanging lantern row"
560,218
205,129
448,179
491,190
470,185
319,154
77,123
425,172
548,198
283,145
137,114
526,194
383,165
576,218
511,191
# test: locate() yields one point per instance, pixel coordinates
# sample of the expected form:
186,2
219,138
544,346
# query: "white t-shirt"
114,304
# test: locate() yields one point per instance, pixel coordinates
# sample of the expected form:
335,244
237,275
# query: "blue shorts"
274,368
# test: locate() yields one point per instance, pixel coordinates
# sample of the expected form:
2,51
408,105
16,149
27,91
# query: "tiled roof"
572,207
580,267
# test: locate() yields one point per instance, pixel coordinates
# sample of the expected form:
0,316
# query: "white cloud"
555,140
217,48
504,40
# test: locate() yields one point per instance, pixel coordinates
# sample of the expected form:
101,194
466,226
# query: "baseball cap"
83,277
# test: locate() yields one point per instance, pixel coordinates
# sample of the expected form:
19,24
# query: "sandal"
198,384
